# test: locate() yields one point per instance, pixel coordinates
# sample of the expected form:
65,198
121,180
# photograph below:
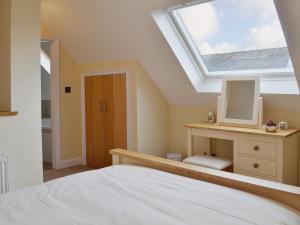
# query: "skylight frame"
186,37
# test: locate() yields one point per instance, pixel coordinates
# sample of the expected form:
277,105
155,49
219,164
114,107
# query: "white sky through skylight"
223,26
235,35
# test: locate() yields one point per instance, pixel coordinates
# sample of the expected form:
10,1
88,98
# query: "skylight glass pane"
236,35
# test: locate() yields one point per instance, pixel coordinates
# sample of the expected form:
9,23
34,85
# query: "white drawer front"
257,166
257,176
258,148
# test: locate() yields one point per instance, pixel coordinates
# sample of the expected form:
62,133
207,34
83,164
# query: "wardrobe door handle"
105,107
101,106
255,165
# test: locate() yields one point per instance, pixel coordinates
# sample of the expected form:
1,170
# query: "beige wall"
20,136
5,55
153,117
179,116
70,116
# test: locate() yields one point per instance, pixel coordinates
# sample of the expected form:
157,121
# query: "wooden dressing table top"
213,126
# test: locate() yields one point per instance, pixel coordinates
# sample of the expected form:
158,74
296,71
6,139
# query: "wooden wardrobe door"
108,119
114,118
120,111
106,127
94,121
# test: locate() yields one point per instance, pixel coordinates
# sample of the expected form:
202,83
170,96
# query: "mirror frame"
222,103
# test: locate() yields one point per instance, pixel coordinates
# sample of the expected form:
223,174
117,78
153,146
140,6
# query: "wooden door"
94,121
108,118
106,127
120,111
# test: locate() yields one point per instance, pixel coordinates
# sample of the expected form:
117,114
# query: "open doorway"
49,54
46,104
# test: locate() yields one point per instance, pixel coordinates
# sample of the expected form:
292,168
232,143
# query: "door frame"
128,104
55,101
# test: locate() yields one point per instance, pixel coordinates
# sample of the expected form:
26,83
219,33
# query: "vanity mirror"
240,103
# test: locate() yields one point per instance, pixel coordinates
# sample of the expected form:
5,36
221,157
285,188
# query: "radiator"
3,174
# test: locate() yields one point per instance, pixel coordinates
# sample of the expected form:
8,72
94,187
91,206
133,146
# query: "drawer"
257,165
257,148
257,176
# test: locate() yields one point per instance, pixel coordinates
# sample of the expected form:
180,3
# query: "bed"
131,194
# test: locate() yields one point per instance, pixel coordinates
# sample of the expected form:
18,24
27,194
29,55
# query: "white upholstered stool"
211,162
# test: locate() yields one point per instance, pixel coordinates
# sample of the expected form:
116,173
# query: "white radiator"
3,174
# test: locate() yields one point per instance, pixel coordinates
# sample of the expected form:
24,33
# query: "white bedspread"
128,195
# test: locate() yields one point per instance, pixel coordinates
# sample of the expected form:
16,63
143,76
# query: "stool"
174,156
211,162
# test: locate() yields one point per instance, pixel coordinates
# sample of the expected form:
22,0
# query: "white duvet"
128,195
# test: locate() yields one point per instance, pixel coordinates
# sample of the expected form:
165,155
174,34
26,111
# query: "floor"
47,166
52,174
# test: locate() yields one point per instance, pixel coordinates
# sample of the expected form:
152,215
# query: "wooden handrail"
286,194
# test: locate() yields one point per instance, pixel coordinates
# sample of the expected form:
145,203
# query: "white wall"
20,136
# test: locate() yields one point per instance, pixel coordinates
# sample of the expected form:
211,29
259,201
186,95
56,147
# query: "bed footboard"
286,194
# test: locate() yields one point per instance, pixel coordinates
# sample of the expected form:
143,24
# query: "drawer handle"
255,165
256,148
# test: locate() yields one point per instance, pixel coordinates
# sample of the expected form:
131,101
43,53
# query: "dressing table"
256,153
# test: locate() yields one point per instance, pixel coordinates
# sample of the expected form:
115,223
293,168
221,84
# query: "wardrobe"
105,117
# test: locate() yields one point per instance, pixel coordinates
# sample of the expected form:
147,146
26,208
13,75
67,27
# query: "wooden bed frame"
286,194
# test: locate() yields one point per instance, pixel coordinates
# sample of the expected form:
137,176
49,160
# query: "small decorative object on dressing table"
283,125
256,152
270,126
210,117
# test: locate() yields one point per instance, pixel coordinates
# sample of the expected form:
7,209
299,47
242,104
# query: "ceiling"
97,30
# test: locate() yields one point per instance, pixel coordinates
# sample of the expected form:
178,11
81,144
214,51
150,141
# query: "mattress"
131,195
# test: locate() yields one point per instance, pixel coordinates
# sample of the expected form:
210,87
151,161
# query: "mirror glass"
240,99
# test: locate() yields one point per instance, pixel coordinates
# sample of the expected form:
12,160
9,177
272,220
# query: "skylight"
229,37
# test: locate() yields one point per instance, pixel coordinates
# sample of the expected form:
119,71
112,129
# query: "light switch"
68,90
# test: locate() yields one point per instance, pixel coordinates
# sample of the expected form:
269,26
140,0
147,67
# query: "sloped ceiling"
96,30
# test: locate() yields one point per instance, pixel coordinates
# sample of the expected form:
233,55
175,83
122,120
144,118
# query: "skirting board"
70,162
